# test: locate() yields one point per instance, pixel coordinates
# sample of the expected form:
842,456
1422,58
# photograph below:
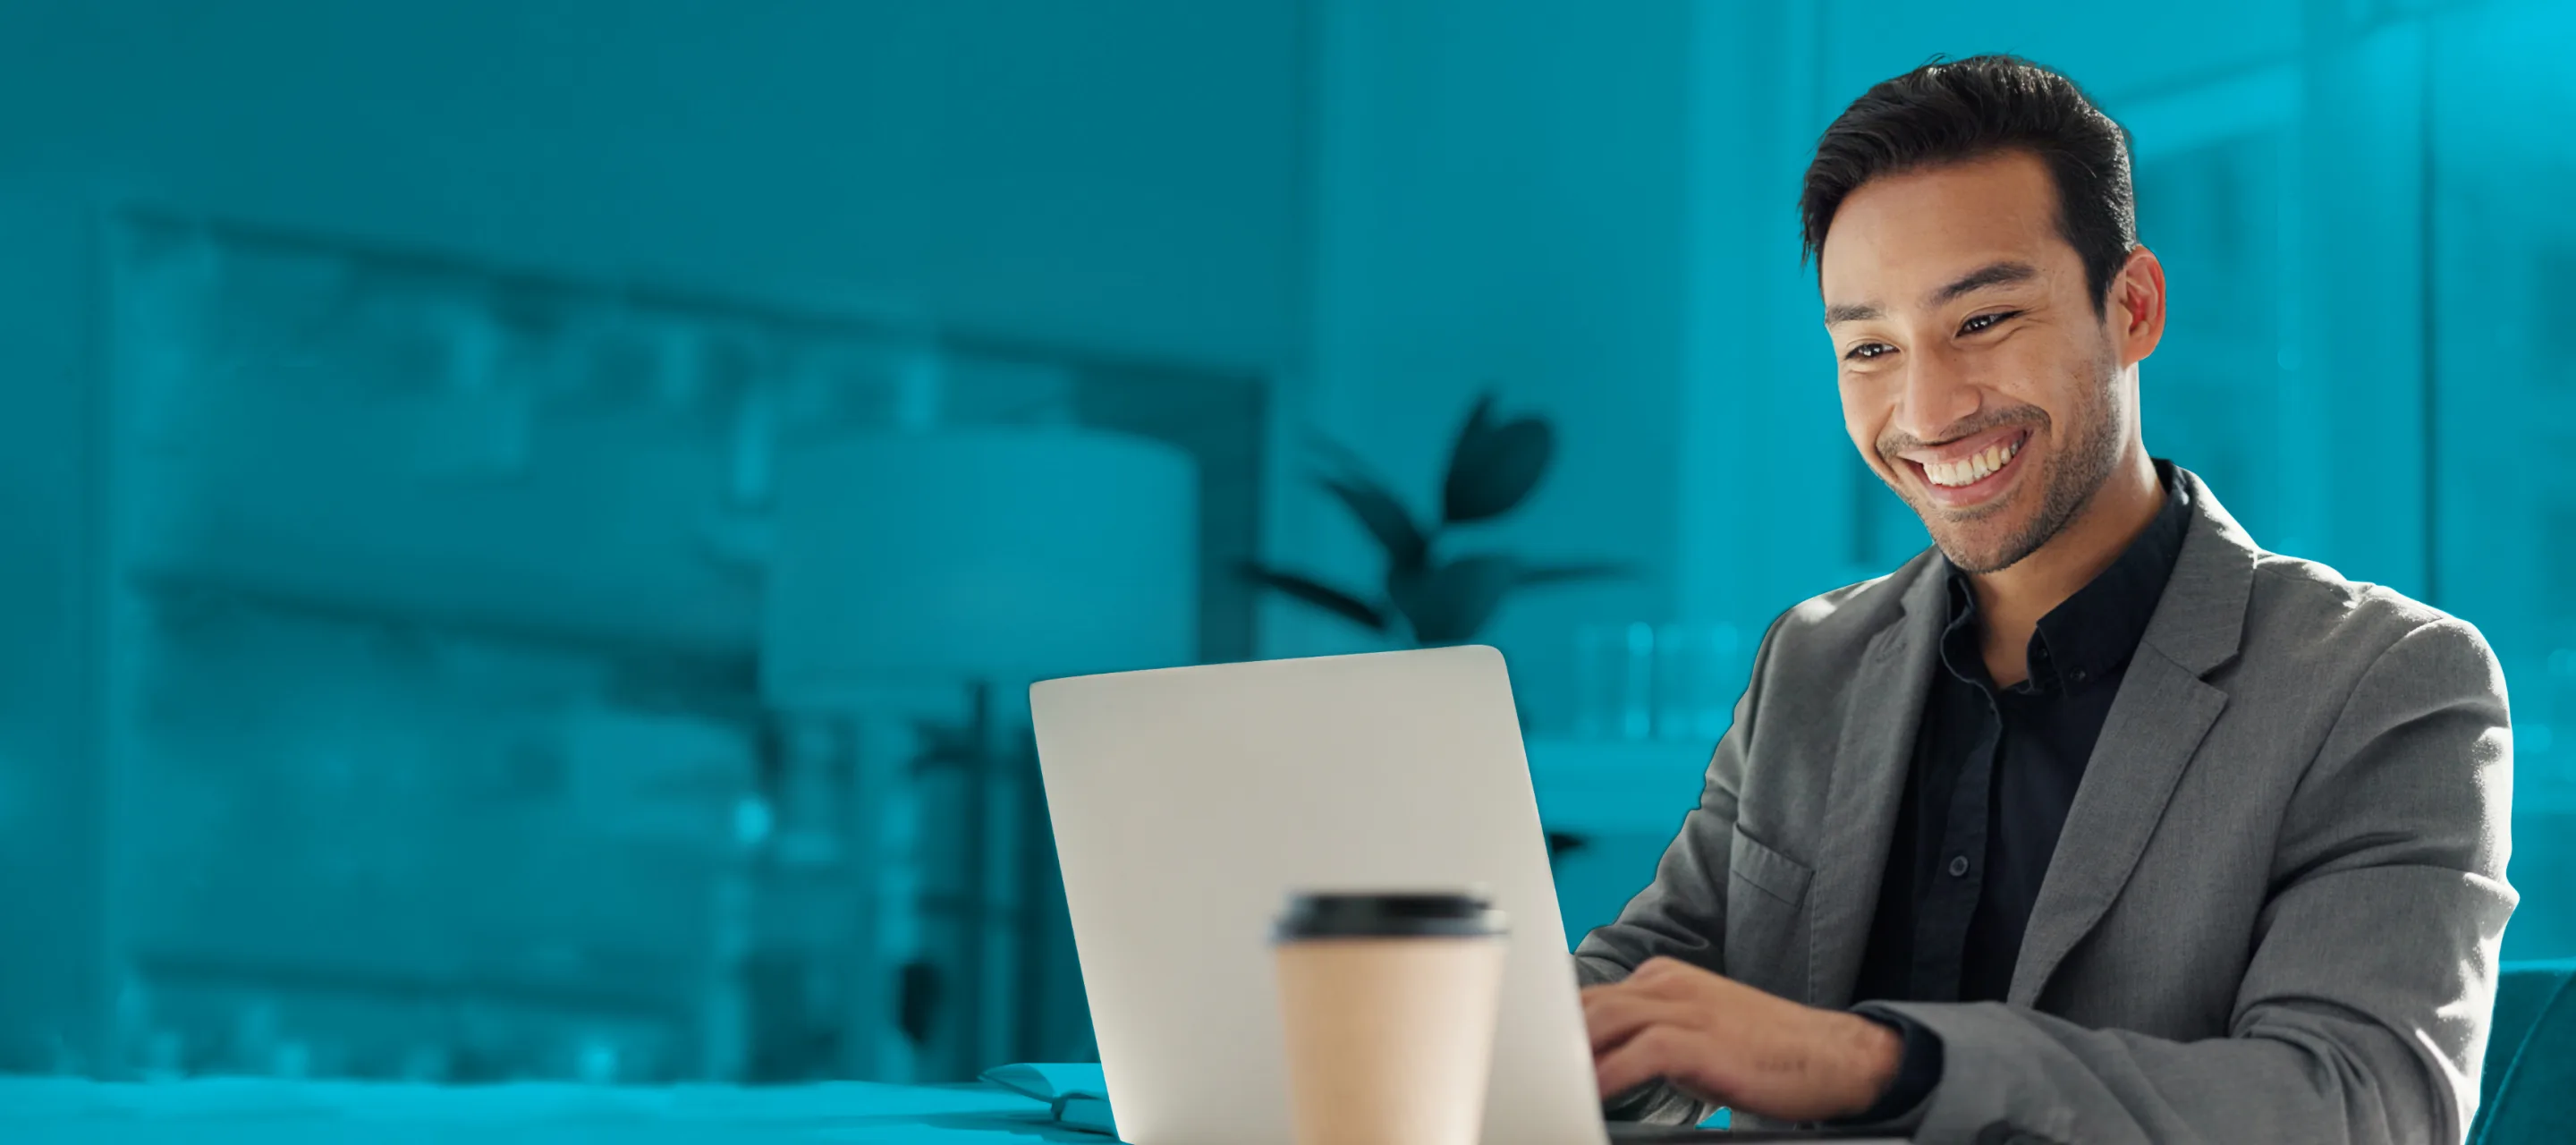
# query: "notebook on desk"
1076,1095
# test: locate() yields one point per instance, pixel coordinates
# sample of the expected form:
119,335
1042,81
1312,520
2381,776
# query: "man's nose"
1935,394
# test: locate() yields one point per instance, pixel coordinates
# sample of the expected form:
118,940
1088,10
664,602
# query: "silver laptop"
1188,801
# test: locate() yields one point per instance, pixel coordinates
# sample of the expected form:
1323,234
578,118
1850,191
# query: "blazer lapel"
1881,711
2156,723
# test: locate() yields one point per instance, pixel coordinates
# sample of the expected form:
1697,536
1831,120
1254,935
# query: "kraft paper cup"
1388,1001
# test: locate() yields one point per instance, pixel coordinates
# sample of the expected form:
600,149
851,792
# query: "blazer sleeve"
2363,1014
1682,913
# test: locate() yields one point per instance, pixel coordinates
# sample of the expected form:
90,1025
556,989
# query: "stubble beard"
2068,479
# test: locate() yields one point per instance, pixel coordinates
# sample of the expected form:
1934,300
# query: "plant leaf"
1470,442
1494,469
1561,574
1480,421
1449,603
1320,595
1342,455
1384,517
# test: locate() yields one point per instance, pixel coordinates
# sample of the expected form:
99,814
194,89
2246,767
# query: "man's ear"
2136,305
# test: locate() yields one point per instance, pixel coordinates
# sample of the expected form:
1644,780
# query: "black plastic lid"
1388,914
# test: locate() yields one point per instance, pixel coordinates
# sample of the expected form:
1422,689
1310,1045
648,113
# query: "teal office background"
525,522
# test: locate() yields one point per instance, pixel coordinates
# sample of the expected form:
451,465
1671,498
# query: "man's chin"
1981,550
1986,538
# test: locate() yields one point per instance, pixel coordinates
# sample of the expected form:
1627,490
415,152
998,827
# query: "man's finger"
1662,975
1666,1052
1615,1018
1668,977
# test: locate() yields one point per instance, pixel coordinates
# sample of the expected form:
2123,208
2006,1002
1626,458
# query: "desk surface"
225,1110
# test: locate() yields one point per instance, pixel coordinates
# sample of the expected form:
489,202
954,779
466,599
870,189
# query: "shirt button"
1958,866
2076,675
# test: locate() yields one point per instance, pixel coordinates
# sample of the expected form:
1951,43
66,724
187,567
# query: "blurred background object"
525,522
1044,553
1641,681
1429,594
512,676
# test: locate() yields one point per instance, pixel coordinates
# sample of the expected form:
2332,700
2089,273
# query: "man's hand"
1733,1044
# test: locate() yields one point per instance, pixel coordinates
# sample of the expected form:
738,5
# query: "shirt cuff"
1918,1070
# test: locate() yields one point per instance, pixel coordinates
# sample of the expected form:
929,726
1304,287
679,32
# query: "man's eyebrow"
1991,274
1842,312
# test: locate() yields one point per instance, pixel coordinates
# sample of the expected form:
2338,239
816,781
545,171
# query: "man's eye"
1983,321
1867,350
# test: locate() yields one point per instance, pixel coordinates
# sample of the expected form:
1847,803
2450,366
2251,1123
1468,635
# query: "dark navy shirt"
1993,774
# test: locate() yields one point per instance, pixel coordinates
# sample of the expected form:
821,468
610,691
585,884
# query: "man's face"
1977,379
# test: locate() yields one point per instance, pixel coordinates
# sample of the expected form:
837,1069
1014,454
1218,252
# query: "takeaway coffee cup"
1388,1000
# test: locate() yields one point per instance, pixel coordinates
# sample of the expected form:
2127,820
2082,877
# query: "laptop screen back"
1187,802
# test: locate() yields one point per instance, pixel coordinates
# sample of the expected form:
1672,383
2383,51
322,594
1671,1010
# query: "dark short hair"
1954,111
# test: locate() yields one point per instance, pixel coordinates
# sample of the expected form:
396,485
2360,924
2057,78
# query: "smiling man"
2095,821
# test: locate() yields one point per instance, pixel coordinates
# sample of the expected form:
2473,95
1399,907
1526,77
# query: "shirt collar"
2092,633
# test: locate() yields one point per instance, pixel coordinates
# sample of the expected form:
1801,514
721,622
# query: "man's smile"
1969,471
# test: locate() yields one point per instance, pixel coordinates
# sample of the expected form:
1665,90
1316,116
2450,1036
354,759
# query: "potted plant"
1433,596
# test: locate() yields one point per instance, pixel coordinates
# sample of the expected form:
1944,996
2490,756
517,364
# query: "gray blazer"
2273,914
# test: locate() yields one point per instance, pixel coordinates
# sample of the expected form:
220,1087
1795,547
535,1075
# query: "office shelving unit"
430,704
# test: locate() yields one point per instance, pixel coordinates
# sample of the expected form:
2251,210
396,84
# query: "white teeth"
1971,469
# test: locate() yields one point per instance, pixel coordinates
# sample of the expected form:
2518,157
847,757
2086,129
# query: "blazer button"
1958,866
